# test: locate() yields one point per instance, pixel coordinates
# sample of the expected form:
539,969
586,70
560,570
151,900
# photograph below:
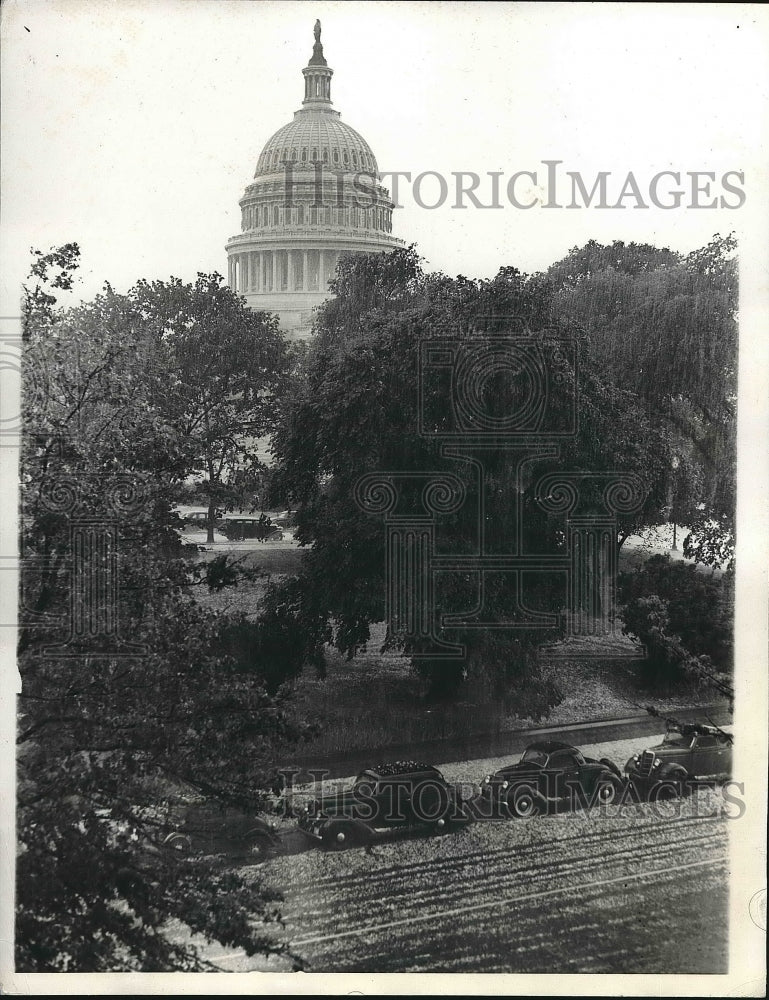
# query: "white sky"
132,127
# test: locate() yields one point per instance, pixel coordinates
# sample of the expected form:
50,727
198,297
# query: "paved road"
624,888
507,743
595,901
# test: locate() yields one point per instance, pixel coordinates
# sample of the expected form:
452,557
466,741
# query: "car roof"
548,746
390,769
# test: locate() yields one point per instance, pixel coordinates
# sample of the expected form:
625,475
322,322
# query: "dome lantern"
317,76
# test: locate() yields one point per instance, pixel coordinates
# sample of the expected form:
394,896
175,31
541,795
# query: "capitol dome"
316,136
314,196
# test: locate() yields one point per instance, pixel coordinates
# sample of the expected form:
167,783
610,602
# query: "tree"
665,328
582,263
699,605
356,410
53,271
223,369
133,697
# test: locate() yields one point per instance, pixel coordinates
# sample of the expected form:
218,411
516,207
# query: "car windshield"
674,738
534,757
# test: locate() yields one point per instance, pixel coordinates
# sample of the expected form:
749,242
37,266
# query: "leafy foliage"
700,605
223,368
354,411
52,271
135,700
684,617
582,263
665,327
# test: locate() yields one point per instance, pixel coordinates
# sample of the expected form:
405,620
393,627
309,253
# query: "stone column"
322,279
305,271
290,278
274,287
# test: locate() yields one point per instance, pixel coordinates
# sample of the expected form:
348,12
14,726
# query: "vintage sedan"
550,774
234,836
383,799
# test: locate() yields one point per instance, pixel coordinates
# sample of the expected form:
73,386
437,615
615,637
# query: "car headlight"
487,779
505,784
656,763
636,759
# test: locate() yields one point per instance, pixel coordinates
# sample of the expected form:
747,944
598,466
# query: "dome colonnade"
314,196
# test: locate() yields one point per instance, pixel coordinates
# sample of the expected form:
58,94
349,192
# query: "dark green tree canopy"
132,694
665,328
356,410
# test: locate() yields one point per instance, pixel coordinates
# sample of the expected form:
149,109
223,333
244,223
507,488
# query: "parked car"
236,527
246,839
551,773
195,518
687,752
383,799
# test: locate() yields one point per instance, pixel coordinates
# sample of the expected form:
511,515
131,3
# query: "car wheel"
441,825
255,848
670,785
178,842
523,801
340,836
678,779
606,790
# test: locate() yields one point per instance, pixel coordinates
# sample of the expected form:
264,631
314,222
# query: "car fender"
264,830
672,772
529,782
178,842
611,766
362,833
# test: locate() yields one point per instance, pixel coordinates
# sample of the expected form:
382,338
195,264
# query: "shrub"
698,606
684,620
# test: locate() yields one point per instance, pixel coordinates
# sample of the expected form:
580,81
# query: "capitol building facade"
315,196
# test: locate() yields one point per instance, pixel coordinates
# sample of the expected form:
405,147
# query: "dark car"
241,838
381,800
551,773
687,752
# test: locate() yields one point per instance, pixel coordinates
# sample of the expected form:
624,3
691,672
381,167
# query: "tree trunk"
210,521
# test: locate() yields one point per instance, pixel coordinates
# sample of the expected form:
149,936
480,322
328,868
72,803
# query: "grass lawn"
376,699
273,559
